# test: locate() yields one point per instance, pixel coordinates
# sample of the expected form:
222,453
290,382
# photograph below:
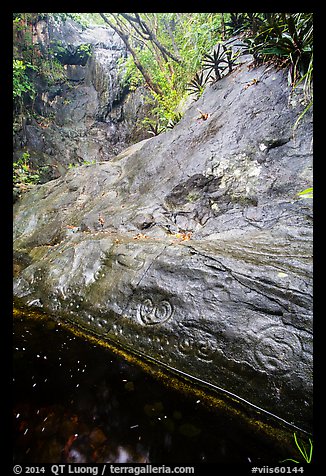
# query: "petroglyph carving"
126,257
133,262
203,348
151,313
186,345
206,348
276,349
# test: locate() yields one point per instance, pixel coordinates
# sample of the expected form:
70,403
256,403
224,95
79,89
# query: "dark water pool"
78,402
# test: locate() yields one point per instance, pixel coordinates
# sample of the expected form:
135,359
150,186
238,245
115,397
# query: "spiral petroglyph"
151,313
206,348
186,345
203,348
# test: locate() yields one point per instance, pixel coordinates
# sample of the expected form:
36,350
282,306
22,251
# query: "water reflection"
78,403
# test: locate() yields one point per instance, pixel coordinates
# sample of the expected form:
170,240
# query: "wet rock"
90,116
230,303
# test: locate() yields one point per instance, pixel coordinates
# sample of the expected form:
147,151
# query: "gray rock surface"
90,115
232,303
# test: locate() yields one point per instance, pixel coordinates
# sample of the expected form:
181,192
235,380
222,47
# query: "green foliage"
237,23
306,109
85,162
215,62
163,105
84,50
23,174
197,85
30,62
303,451
28,56
130,75
154,128
240,22
289,37
221,59
52,71
21,81
174,120
57,50
89,19
197,35
307,193
230,57
284,38
307,80
188,36
166,107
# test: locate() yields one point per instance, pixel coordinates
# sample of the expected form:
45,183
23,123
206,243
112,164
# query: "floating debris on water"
72,407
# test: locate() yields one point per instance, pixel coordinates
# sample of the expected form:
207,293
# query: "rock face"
204,259
89,115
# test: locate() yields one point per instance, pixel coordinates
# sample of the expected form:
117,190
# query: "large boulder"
191,248
88,114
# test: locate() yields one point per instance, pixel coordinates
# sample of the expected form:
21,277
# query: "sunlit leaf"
307,193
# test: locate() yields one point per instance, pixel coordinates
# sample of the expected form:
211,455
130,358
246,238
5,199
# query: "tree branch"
151,36
125,38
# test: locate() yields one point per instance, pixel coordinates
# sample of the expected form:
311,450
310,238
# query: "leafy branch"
215,62
197,84
21,82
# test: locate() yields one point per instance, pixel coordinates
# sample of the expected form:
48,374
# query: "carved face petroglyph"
276,348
